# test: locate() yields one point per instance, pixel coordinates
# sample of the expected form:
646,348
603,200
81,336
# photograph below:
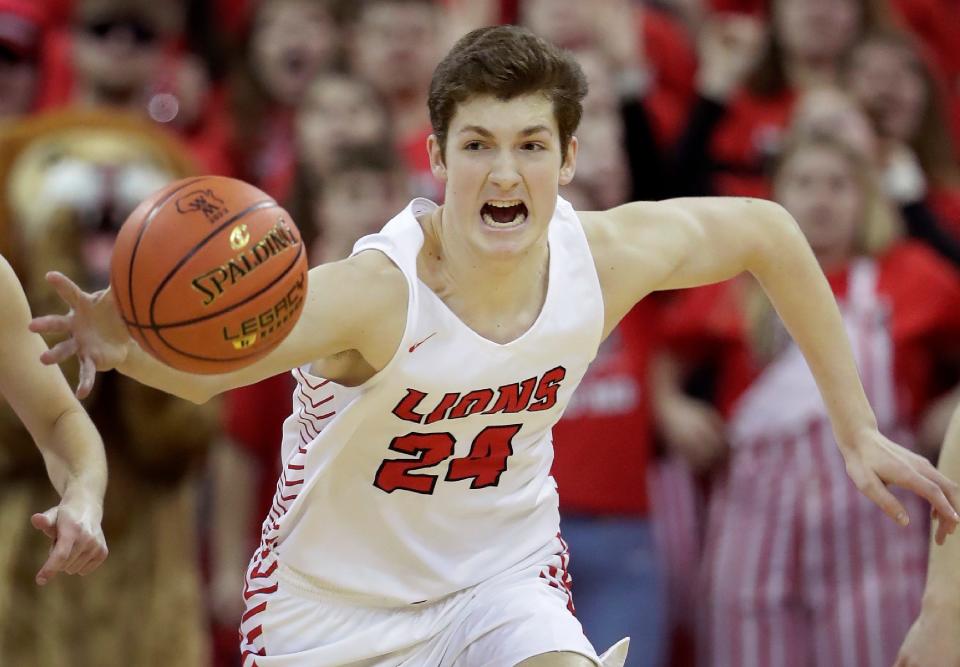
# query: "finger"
949,487
60,352
875,490
88,372
59,555
925,488
46,522
50,324
82,549
943,529
66,288
96,559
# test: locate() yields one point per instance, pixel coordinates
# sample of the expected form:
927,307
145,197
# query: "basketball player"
933,639
71,446
415,521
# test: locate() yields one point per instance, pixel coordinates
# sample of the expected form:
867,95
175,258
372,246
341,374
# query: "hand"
97,334
694,430
874,462
729,46
78,543
932,640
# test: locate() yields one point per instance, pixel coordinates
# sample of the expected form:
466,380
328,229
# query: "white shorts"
291,622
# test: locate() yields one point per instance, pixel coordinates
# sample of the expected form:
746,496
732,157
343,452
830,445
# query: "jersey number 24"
484,464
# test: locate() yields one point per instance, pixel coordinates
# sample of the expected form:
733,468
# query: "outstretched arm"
67,439
933,639
356,304
646,246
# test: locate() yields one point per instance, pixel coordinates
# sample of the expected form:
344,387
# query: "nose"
503,173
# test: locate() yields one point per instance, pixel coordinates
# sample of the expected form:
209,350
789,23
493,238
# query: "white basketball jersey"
434,475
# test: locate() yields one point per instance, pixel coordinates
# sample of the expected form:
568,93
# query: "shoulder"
651,221
665,228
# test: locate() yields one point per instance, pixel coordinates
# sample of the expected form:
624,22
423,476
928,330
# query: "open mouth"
504,214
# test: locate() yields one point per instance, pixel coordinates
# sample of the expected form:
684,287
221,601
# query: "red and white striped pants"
801,569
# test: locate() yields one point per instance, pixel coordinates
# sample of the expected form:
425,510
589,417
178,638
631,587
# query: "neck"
482,285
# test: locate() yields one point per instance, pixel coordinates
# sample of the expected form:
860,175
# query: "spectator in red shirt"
895,84
937,23
747,82
289,43
395,45
647,50
22,30
797,570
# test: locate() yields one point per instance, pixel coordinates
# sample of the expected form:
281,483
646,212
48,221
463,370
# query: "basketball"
209,274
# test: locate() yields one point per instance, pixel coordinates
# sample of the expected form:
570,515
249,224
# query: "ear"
569,166
435,151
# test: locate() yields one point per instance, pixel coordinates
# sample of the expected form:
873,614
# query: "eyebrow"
525,132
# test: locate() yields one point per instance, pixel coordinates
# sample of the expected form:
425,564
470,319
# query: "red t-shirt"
748,137
602,444
706,325
671,55
946,203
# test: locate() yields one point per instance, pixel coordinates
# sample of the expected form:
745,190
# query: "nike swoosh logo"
416,345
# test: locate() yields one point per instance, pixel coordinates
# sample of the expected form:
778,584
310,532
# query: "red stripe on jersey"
306,410
253,611
266,590
303,377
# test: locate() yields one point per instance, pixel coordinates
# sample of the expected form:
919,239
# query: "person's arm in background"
71,447
691,428
633,78
646,246
728,47
906,184
934,639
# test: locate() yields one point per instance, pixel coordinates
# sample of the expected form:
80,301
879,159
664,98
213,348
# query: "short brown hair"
506,62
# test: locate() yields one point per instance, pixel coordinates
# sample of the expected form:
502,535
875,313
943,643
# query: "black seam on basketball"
257,206
219,360
208,316
136,246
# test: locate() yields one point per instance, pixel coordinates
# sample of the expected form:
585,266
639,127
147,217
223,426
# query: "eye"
533,146
473,146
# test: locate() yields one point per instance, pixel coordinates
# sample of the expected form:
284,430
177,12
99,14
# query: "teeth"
516,222
506,204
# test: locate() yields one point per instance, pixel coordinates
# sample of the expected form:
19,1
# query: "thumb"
46,522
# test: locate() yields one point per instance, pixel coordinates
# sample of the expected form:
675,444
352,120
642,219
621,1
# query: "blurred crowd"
705,504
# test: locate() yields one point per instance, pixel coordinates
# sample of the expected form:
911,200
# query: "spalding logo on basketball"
210,274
